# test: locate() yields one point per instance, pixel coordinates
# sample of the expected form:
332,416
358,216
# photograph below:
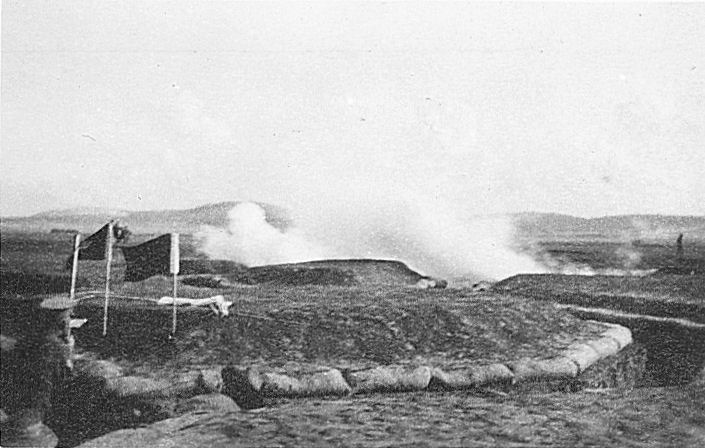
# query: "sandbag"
450,380
278,385
544,369
604,346
210,381
330,382
474,376
389,379
326,383
208,403
491,374
130,386
622,335
583,355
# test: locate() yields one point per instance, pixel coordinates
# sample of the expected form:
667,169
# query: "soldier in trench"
33,371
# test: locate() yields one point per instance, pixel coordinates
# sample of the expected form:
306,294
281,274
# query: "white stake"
174,269
109,257
74,273
74,267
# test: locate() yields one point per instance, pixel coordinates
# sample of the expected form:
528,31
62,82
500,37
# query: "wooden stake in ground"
109,260
174,270
74,273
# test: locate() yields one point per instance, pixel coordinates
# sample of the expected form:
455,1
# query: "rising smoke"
251,240
424,234
622,261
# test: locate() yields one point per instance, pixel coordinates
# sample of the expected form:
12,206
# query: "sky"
581,109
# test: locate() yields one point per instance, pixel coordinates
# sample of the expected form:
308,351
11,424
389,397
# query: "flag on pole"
109,255
157,256
153,257
174,254
74,273
74,264
95,247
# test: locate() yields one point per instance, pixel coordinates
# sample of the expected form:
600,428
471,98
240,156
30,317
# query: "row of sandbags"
110,380
103,396
249,386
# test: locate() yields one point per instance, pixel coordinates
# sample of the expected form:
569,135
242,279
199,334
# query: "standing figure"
33,370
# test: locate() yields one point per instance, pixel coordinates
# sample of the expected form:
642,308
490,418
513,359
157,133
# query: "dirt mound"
332,326
194,266
358,272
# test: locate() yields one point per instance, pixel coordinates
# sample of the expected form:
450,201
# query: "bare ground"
647,417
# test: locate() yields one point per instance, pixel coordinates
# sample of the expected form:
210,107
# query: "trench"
675,348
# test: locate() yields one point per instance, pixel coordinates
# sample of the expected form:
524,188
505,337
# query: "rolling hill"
556,227
141,222
533,226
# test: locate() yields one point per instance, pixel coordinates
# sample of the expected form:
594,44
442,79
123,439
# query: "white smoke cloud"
251,240
626,260
425,234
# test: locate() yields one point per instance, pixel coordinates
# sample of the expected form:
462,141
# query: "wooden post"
109,260
74,273
174,269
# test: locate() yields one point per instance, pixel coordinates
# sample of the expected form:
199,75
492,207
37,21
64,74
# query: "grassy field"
274,322
594,255
665,295
46,254
381,322
302,328
310,327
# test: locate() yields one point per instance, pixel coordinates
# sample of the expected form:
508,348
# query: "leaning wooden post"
74,272
109,258
174,270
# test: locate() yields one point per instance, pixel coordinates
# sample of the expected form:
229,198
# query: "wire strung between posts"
85,295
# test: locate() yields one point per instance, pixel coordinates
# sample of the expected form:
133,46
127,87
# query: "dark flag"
147,259
94,247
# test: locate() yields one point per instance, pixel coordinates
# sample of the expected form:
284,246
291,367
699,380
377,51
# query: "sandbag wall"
573,367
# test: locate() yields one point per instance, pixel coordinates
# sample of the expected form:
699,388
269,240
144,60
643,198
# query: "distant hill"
554,226
531,226
81,211
140,222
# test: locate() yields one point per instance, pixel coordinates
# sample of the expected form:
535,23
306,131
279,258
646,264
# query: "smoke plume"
249,239
426,235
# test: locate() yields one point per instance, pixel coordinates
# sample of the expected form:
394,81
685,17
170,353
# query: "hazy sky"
580,109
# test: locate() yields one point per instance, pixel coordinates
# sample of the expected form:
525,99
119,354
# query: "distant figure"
679,248
120,232
481,286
